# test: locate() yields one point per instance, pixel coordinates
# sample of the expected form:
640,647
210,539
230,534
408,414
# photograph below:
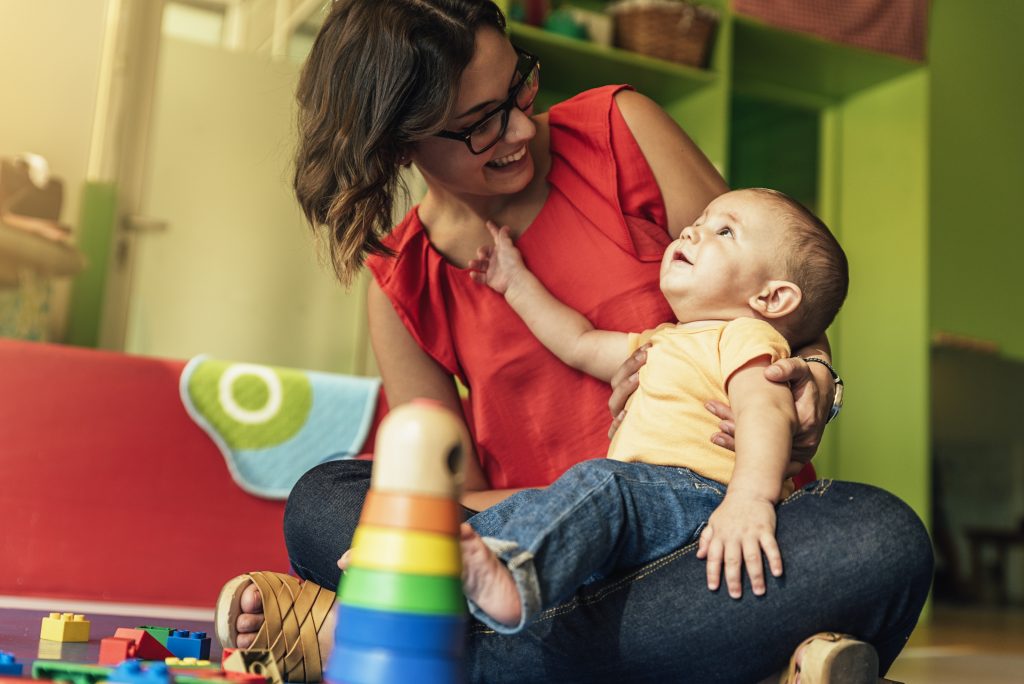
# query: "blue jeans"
599,517
858,560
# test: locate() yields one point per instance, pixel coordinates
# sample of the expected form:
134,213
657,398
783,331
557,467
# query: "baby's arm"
563,330
744,524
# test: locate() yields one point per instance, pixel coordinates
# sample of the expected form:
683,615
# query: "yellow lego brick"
186,662
65,627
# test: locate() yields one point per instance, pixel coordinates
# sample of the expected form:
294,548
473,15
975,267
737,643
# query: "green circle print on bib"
251,407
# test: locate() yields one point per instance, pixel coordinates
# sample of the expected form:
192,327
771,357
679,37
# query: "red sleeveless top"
596,244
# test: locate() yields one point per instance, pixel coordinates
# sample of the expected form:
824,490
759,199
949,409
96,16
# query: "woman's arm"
409,373
685,177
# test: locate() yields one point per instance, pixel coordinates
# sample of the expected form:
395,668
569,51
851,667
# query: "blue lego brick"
9,665
132,672
185,644
412,633
354,665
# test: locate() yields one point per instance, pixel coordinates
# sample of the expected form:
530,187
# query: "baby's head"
757,252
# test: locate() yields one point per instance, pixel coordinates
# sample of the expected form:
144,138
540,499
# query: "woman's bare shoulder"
686,178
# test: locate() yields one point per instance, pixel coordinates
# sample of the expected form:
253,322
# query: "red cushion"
109,491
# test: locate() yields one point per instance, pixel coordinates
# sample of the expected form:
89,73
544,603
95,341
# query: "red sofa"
109,491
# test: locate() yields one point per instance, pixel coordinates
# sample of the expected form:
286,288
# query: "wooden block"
253,661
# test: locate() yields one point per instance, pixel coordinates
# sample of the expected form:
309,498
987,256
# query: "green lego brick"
158,633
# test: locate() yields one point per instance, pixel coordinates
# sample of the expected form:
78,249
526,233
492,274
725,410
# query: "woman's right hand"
624,383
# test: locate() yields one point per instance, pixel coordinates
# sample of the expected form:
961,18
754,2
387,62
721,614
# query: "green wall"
878,198
977,170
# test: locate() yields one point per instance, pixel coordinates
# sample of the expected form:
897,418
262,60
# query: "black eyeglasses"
485,133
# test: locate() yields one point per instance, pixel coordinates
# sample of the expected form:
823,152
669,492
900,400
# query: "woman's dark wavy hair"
382,74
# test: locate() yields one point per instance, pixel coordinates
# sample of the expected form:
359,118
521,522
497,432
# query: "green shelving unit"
570,65
863,120
778,64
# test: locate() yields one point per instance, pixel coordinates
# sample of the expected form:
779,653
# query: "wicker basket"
668,29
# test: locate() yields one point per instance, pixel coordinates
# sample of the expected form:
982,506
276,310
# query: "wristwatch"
837,403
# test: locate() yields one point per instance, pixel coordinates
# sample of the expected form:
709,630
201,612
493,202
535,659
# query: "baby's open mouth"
680,256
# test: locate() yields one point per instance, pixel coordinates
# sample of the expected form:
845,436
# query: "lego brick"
69,672
253,661
65,627
132,672
438,635
351,664
74,673
114,650
9,665
158,633
189,664
146,646
185,644
402,593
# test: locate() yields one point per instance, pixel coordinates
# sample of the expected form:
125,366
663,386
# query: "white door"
223,263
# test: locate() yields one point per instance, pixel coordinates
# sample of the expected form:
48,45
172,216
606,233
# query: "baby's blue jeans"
599,517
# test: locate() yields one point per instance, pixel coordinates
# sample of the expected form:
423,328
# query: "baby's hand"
739,529
497,265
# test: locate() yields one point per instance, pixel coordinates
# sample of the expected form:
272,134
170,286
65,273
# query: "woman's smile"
502,162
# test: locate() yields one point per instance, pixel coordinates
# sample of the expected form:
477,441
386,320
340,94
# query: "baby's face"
728,255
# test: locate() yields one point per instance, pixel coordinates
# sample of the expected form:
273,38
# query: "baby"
756,275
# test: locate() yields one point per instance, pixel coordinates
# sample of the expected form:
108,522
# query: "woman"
593,191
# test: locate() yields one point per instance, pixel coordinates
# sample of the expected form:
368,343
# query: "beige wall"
49,68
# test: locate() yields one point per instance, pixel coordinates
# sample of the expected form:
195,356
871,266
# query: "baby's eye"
725,232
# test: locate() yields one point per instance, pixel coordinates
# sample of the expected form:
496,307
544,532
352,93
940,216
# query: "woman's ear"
778,298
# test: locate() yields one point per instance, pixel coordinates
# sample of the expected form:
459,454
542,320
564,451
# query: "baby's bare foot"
486,581
251,618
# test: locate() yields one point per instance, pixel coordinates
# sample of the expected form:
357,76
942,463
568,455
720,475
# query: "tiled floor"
965,645
957,645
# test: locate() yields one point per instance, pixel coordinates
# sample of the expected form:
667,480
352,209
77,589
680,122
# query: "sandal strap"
293,611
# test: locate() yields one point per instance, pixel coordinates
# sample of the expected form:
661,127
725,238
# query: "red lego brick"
114,650
146,645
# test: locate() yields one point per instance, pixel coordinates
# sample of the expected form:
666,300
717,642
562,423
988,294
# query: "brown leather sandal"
294,612
832,658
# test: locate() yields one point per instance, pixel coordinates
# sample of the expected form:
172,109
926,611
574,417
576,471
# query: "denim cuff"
520,563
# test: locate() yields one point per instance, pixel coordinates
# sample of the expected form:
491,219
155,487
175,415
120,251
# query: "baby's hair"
815,261
380,77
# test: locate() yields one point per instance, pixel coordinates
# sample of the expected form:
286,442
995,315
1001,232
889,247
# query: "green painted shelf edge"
804,69
570,66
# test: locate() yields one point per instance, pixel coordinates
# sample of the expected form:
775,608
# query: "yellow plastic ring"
406,551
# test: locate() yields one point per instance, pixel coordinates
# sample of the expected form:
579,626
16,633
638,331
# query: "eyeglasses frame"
505,108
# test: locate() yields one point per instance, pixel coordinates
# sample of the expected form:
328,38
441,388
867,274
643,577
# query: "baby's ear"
778,298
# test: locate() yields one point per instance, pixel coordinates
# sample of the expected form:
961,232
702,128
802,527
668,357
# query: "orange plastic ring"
411,512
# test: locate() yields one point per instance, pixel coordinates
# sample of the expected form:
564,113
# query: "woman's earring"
404,160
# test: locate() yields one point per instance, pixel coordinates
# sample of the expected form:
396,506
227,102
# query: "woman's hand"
624,383
813,392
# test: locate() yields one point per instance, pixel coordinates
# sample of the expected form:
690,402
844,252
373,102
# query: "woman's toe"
251,600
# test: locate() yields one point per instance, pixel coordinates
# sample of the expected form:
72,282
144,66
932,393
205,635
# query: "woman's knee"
323,509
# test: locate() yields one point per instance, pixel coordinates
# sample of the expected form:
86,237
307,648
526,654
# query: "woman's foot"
486,581
294,620
251,618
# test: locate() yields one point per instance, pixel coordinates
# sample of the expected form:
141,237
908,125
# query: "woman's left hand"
812,395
